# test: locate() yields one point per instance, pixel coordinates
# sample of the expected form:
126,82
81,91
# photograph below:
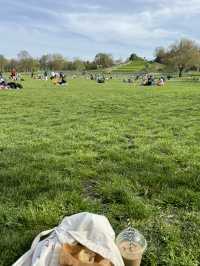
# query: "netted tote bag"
91,230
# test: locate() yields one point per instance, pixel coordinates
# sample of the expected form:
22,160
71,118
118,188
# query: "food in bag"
78,255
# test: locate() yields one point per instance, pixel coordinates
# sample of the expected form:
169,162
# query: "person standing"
14,74
45,75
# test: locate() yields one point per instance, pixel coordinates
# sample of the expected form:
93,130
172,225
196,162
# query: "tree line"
26,63
181,56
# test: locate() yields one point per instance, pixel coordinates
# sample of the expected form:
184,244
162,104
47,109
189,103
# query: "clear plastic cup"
132,245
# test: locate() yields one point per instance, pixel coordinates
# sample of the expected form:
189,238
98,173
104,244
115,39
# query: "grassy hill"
125,151
138,65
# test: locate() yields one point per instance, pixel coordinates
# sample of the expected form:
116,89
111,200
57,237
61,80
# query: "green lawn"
135,66
125,151
138,65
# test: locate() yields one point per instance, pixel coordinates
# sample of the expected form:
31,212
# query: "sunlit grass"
125,151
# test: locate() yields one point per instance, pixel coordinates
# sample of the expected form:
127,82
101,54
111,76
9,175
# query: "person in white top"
161,82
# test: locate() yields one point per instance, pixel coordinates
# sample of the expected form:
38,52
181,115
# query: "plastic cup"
132,245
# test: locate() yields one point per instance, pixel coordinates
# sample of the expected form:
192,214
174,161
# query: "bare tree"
3,63
181,55
104,60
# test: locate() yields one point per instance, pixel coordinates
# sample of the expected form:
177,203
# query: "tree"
44,61
90,65
13,63
25,61
79,65
104,60
53,62
181,55
184,54
3,63
133,57
23,55
35,64
160,55
56,62
69,65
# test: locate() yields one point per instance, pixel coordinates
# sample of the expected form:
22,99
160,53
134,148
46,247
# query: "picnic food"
78,255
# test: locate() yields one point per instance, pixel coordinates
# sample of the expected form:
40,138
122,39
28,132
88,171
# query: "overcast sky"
82,28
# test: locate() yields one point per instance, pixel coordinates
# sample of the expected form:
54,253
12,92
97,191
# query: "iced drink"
131,253
132,246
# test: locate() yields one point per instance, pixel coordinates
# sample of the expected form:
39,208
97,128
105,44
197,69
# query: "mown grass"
134,66
125,151
138,65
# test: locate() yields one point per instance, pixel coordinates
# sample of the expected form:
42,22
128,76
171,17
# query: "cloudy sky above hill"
82,28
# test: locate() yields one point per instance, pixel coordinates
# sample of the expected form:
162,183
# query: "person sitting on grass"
137,77
13,85
144,80
53,74
59,80
9,85
161,82
2,83
45,75
62,75
100,79
19,77
148,81
62,81
55,81
39,77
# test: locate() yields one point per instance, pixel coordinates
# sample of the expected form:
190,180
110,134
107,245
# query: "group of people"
99,78
149,80
7,85
43,76
4,85
14,75
129,80
58,78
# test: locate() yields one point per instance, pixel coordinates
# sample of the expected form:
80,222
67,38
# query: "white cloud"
117,27
132,25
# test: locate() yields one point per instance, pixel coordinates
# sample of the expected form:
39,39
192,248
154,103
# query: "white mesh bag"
91,230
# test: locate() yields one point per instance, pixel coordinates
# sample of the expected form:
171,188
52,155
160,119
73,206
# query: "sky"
82,28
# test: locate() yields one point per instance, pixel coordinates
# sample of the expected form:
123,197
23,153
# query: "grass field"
138,65
127,152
